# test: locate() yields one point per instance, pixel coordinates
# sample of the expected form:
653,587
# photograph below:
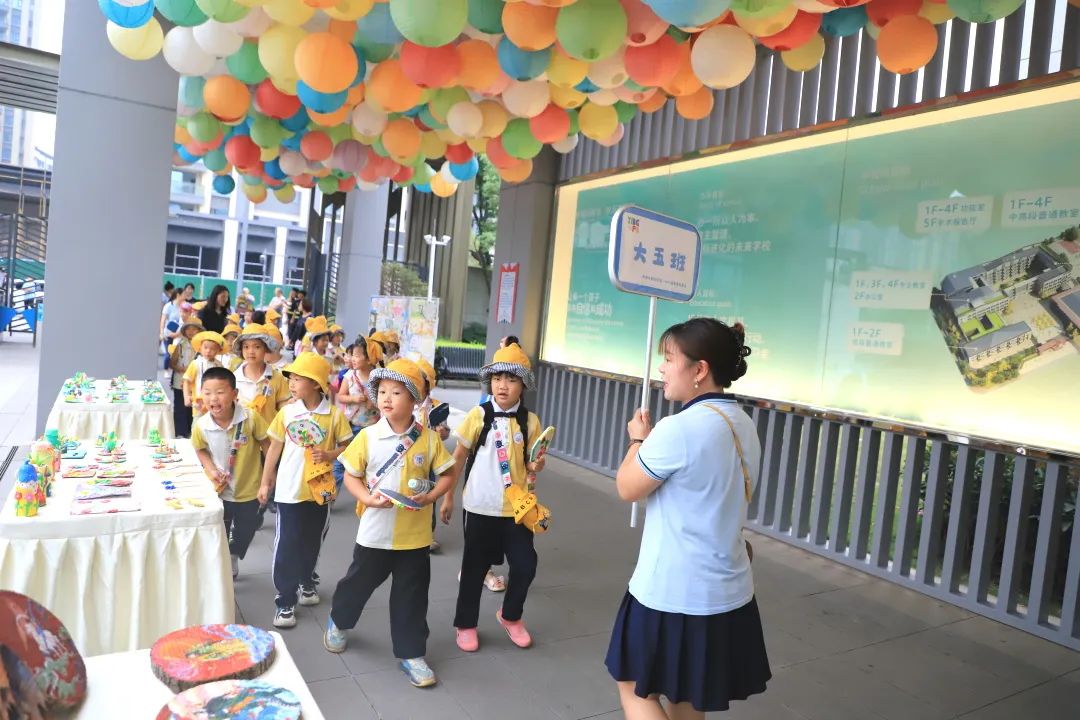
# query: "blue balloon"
191,91
187,156
688,13
429,119
586,86
320,102
127,16
465,171
297,122
273,169
293,142
378,27
423,187
522,64
361,66
844,21
224,184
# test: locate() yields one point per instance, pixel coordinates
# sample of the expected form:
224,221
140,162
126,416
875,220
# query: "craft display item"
80,471
153,438
27,487
152,393
208,653
105,506
229,699
20,696
87,492
318,475
119,382
399,500
110,473
42,643
75,453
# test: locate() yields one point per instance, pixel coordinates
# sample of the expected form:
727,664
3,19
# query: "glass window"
191,259
258,266
294,270
219,205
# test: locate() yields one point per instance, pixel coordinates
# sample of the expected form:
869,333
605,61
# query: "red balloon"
404,174
273,103
880,12
347,184
798,33
430,67
242,151
368,173
384,166
316,145
458,154
653,65
553,124
497,154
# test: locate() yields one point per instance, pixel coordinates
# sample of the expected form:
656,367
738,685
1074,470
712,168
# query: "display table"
120,581
122,685
130,420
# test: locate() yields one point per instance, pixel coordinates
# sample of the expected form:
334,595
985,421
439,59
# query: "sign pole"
646,383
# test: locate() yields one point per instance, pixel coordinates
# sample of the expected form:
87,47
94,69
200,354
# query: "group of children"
361,417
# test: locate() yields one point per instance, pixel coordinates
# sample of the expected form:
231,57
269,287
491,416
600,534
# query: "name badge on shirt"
418,460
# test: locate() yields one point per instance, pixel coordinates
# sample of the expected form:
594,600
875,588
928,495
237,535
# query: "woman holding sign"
688,629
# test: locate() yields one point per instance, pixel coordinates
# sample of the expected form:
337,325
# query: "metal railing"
22,260
983,525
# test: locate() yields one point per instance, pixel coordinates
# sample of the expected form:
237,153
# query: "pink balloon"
644,26
349,155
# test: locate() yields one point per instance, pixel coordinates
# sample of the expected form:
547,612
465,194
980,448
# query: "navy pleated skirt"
705,660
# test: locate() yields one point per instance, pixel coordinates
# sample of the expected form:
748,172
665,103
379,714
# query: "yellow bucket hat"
210,335
510,359
234,318
316,326
254,331
276,334
337,329
272,316
191,321
426,369
231,329
199,305
387,336
311,366
405,372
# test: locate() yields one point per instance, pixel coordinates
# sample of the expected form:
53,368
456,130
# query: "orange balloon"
391,89
226,97
497,154
304,181
551,125
430,67
516,173
479,65
316,145
655,64
685,81
331,119
321,3
906,44
325,62
530,27
401,138
695,106
880,12
653,103
798,33
344,29
356,95
181,135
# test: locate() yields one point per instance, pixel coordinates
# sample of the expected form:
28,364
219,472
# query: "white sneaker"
309,595
235,566
420,674
285,618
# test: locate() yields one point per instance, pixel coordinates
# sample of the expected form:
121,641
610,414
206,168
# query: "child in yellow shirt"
209,345
230,441
229,359
262,387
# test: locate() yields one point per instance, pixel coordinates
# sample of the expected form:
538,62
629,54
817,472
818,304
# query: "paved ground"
842,644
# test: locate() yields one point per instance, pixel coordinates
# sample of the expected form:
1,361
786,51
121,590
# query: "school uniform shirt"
272,385
484,492
229,361
693,560
359,414
392,528
291,487
183,352
279,364
247,470
194,374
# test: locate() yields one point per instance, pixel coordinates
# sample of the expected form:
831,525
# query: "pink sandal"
467,639
516,630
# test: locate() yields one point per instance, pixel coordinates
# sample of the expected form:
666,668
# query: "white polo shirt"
291,487
484,492
693,560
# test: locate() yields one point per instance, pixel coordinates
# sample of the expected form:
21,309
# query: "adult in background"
171,318
278,303
215,314
296,328
245,303
187,299
166,294
688,629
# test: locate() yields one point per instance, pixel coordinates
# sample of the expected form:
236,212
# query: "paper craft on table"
97,492
116,472
80,471
105,505
73,454
111,481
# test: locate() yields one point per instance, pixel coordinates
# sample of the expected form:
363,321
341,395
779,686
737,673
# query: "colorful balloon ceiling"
345,93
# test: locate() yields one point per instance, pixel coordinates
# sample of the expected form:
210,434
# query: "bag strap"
738,449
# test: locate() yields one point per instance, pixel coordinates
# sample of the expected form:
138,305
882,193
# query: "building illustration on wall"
1002,313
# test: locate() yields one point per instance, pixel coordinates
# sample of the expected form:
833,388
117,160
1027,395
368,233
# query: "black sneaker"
285,618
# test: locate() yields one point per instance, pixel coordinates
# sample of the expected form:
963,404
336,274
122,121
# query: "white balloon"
567,144
603,97
447,175
184,55
292,162
365,186
610,72
723,56
527,99
184,111
220,68
615,137
217,38
367,120
813,6
252,25
465,119
631,95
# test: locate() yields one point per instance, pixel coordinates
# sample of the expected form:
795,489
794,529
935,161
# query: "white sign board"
653,254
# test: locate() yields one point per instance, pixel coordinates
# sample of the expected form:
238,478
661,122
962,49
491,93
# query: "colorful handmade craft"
105,506
43,644
94,491
41,457
80,471
538,449
399,500
231,699
153,438
207,653
152,393
27,487
318,475
20,696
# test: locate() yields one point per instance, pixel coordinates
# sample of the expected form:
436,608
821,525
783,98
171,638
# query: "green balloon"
328,184
486,15
181,12
251,179
680,36
984,11
339,132
373,51
431,23
424,173
203,127
626,111
245,66
592,30
267,132
758,8
379,149
190,92
519,141
215,160
225,11
442,100
575,127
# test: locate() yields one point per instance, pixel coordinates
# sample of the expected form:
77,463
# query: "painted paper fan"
305,432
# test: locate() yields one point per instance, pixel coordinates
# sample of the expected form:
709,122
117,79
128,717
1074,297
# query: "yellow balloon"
277,47
477,144
449,137
365,139
495,119
566,71
255,193
350,9
936,13
140,43
567,97
805,57
598,121
285,85
432,146
768,25
442,187
269,153
289,12
285,194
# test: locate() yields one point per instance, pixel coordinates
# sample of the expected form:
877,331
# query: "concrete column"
109,210
524,236
360,261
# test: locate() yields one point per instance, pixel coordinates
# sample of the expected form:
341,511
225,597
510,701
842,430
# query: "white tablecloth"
131,420
120,581
122,685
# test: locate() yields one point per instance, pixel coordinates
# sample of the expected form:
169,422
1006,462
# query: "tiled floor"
842,644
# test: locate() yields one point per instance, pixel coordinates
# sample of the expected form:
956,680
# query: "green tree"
402,281
485,217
